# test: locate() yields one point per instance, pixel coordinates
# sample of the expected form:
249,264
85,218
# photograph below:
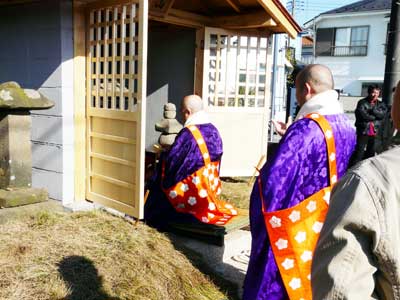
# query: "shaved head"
318,76
191,104
312,80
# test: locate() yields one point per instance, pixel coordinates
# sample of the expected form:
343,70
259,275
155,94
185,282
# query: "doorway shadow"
82,279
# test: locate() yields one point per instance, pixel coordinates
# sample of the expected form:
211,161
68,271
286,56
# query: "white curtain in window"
342,41
359,36
342,37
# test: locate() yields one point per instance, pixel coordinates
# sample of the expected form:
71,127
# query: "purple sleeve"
184,157
295,172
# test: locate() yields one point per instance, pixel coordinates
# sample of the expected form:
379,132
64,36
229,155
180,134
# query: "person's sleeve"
343,263
178,152
380,111
363,110
282,172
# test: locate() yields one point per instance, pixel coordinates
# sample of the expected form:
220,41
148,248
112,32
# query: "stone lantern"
15,144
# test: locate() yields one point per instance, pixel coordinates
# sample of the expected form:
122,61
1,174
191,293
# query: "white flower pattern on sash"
315,116
173,194
288,264
333,179
203,193
184,187
328,134
332,157
196,180
281,244
211,206
317,226
312,206
300,237
206,156
200,141
295,283
306,256
327,197
204,219
294,216
275,222
192,201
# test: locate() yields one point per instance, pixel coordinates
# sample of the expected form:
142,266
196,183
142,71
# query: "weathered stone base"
22,196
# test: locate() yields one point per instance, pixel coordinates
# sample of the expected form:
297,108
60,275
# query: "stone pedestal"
15,145
15,150
16,161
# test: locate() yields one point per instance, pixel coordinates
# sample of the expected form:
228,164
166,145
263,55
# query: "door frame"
80,24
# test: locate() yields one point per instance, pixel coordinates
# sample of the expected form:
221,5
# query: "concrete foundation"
230,261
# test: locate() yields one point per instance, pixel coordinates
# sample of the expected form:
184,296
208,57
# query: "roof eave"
281,16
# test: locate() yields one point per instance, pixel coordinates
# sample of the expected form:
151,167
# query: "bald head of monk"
191,104
312,80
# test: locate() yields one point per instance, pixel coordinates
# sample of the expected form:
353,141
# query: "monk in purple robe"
180,161
297,170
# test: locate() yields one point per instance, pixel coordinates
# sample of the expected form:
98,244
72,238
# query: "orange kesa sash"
198,193
293,233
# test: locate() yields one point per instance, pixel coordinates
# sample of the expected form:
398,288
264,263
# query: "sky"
307,9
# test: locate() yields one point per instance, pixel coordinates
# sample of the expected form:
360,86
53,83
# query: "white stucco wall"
348,70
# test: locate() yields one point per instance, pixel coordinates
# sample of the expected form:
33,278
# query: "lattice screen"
237,70
113,55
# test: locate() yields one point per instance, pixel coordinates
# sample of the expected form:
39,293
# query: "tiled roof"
362,6
307,41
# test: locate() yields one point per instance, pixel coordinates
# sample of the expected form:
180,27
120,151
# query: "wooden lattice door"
116,73
236,93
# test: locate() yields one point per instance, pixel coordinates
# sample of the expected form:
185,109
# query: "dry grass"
237,191
94,256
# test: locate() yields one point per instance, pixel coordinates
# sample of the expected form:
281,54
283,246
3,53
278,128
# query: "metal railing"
307,59
349,50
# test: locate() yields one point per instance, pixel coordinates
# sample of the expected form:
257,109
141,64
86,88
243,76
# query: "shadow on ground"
82,279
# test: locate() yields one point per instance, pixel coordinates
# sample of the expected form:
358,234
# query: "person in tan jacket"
358,252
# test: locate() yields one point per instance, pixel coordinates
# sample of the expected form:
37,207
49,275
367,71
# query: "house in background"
351,40
307,50
110,66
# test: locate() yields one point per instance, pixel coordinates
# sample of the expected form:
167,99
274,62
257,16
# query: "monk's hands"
280,127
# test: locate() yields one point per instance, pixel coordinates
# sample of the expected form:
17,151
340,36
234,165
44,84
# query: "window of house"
346,41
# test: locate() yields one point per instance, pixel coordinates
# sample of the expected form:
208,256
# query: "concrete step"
229,261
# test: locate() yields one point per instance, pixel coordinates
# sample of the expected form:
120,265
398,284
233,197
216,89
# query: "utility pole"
392,68
293,7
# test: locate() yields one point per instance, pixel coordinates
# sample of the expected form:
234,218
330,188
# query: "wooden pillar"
79,98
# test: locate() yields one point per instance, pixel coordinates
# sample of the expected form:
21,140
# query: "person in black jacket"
370,113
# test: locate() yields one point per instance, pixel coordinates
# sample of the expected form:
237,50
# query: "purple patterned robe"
295,172
183,159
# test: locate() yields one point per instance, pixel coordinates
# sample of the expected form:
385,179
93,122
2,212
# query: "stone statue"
15,144
169,126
